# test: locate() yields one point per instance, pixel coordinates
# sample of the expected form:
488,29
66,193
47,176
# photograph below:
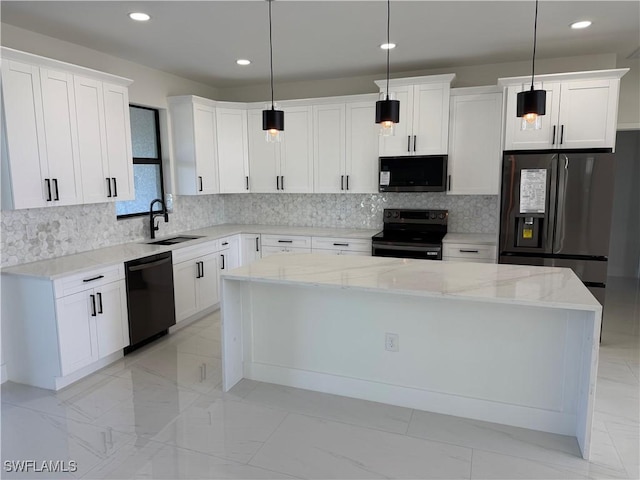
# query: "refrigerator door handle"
563,173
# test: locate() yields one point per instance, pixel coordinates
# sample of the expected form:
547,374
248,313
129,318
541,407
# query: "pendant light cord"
388,41
271,54
535,34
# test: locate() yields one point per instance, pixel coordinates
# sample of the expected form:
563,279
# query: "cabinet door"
329,148
430,119
112,326
91,142
76,331
296,151
264,157
588,114
362,148
25,140
61,137
118,141
474,147
231,250
205,148
184,286
233,160
207,285
517,139
249,248
400,143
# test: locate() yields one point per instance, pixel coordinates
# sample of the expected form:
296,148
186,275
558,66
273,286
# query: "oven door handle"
432,250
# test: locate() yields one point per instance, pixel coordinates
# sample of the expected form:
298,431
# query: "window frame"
149,161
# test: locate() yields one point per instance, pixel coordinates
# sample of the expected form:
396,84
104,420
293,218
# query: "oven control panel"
416,216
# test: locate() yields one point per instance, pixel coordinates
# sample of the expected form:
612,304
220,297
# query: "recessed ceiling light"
243,61
388,46
139,16
581,24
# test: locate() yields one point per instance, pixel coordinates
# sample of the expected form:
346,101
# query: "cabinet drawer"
346,244
87,280
470,251
270,250
180,255
295,241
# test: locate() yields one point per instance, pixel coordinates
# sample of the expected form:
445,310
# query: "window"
147,163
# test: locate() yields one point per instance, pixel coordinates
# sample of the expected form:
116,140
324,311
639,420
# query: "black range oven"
411,233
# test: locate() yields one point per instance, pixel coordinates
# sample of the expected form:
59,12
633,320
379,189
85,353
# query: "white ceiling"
328,39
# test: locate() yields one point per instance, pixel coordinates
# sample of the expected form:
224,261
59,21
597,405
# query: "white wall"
629,107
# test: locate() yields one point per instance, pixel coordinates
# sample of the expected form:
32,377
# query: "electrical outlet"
391,342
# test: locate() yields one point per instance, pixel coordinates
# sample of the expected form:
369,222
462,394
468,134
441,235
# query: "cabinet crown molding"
17,55
397,82
558,77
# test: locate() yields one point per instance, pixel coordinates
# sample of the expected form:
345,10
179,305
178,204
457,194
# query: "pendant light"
387,109
272,119
531,103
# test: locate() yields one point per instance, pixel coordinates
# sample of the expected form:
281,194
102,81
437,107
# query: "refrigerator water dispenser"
529,231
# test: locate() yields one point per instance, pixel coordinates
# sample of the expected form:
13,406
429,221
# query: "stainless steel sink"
174,240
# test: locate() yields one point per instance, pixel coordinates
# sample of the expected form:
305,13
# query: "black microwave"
417,173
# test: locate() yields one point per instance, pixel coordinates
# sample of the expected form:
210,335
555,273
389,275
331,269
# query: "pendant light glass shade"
531,104
272,119
388,108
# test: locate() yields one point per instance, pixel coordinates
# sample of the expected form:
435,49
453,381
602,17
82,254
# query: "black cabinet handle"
246,179
225,243
200,180
115,186
257,244
462,250
277,182
341,244
55,186
449,183
347,182
109,187
48,183
198,270
561,134
202,268
86,280
222,262
93,305
415,141
553,138
341,182
408,143
285,241
281,182
99,302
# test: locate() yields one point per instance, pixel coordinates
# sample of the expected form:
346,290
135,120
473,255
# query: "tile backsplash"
38,234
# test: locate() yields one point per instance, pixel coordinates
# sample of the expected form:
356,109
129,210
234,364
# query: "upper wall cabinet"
193,124
57,140
581,111
424,116
233,155
285,167
474,141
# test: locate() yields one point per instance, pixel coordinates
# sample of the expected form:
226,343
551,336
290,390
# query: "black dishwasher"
149,298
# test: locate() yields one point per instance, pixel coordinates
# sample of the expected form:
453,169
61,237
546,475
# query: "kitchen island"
516,345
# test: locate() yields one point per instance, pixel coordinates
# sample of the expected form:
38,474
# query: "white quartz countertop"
77,263
471,238
513,284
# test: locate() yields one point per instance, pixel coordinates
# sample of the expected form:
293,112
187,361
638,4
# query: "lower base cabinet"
249,248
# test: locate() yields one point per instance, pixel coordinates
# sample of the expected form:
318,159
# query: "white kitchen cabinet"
581,111
329,148
424,116
232,143
64,142
474,141
282,167
341,246
470,247
58,331
249,248
276,244
229,253
361,162
193,125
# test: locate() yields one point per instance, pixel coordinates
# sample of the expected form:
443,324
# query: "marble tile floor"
160,413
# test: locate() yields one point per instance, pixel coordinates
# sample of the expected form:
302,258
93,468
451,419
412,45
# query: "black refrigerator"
556,211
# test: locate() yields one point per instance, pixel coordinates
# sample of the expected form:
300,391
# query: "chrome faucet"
152,225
